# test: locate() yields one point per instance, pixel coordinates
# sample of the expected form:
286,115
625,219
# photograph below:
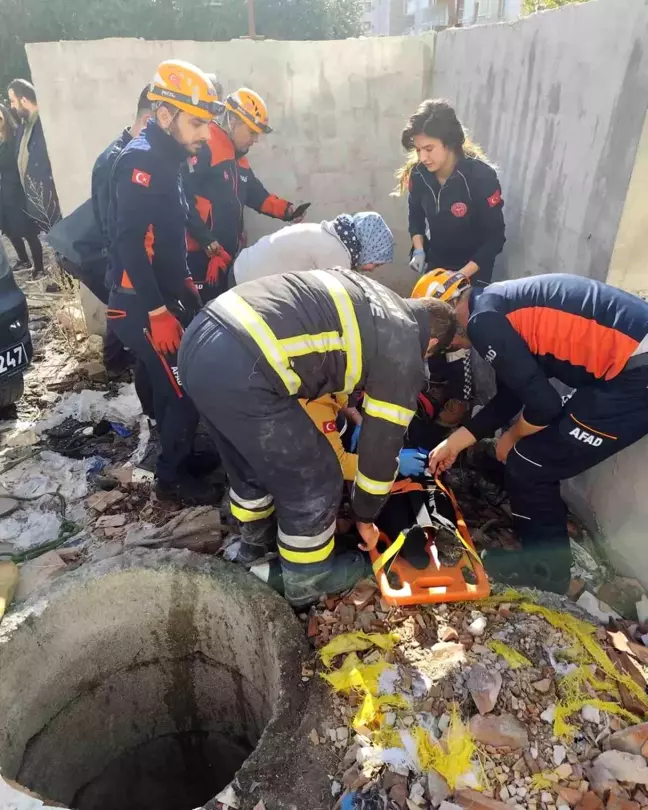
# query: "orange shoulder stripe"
601,350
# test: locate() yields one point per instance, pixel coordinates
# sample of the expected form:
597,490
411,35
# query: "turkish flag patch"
329,427
459,209
141,178
494,199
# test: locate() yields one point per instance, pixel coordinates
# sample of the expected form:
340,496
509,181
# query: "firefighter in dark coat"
247,360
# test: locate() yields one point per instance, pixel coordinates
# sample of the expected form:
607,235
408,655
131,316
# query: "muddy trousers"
281,469
596,422
175,413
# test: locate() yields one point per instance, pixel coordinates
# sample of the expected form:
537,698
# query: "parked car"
15,341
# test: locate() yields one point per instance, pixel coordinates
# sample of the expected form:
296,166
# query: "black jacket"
464,216
327,331
42,200
101,172
13,218
146,220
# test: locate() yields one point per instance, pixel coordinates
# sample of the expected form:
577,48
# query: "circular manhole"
144,683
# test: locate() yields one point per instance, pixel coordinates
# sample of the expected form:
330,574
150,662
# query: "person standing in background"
33,161
456,220
15,223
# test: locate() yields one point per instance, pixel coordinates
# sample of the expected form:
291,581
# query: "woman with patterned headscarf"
354,241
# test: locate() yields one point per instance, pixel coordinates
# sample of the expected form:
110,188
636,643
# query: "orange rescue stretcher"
462,582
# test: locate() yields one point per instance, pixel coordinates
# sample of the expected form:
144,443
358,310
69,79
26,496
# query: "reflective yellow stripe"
350,331
387,411
257,503
306,557
247,515
263,336
307,344
373,487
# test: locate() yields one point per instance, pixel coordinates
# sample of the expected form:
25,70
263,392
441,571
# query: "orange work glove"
218,264
166,331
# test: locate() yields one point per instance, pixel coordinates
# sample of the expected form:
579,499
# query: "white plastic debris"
228,797
27,528
93,406
12,799
549,714
48,473
596,608
231,552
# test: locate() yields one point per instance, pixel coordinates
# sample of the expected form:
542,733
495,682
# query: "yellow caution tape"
513,658
352,642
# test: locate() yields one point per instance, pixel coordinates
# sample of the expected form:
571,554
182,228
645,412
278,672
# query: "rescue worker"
104,163
455,199
115,357
246,360
593,338
219,184
449,387
358,242
152,294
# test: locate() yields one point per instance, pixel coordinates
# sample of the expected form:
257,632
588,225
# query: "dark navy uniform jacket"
146,220
101,172
580,331
463,216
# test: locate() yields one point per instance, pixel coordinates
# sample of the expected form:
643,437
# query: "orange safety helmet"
446,285
251,108
186,87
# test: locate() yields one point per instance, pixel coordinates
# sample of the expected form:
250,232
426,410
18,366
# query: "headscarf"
346,232
367,238
376,240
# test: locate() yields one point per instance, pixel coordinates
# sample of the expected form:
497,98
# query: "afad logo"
585,437
459,209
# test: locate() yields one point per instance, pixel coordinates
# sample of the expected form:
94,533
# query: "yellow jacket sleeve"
323,412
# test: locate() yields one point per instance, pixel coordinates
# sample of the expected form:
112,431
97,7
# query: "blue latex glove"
412,462
417,262
355,438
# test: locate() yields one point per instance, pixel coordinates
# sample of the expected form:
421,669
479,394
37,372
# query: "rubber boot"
545,567
187,490
258,540
305,584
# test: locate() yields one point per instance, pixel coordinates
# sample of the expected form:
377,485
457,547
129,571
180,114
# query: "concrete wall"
337,109
558,101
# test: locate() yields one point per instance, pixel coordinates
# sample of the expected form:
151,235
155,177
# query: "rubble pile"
505,703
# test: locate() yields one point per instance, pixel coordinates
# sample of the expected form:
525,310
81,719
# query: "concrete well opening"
145,683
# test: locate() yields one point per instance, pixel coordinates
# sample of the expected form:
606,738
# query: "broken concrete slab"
630,740
38,572
500,731
484,685
100,501
7,506
624,767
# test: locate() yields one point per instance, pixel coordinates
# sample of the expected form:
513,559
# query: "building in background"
382,18
433,15
394,17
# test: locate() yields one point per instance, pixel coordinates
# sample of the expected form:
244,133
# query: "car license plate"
12,359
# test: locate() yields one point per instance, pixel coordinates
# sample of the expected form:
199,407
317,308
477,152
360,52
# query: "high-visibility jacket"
336,331
325,412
